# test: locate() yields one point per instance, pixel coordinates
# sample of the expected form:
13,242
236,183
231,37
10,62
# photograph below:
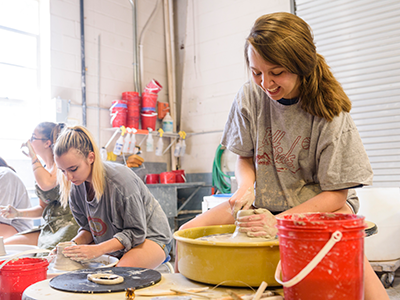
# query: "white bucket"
214,200
382,207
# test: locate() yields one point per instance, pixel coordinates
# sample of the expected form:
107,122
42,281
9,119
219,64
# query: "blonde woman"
59,224
116,212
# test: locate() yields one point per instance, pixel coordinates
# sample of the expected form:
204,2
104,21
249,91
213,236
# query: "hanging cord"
218,179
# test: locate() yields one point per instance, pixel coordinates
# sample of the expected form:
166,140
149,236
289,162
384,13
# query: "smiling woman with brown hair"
298,149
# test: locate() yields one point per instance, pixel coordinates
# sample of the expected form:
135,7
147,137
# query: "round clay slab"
77,281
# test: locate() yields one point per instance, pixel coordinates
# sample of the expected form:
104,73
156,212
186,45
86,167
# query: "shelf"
165,134
181,185
145,132
174,136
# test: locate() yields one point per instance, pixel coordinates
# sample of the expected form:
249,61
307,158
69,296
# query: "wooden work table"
42,290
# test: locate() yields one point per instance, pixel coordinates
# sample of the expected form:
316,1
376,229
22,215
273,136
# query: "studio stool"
167,264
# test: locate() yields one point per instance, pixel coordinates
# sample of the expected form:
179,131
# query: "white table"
42,290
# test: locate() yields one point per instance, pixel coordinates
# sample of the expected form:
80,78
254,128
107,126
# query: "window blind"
360,40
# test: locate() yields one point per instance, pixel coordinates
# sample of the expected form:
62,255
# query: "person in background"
116,212
296,142
12,192
59,224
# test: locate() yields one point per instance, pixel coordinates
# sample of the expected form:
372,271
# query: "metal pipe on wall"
170,49
136,66
141,37
83,64
98,86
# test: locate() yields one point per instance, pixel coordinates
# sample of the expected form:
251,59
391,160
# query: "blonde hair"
79,138
286,40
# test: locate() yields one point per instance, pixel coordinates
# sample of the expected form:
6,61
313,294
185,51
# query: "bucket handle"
30,251
336,237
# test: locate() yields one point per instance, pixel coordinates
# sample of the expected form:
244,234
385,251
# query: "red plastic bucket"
167,177
152,178
130,96
149,100
179,176
149,120
153,87
132,118
322,256
17,275
118,112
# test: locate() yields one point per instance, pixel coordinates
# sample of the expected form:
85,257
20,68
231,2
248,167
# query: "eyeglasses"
35,138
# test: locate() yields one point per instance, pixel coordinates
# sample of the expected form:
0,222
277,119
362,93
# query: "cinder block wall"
109,57
213,71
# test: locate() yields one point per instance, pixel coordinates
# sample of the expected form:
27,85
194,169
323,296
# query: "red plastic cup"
152,178
179,176
167,177
153,87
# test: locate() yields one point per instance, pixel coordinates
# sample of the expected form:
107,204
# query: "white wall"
109,56
214,70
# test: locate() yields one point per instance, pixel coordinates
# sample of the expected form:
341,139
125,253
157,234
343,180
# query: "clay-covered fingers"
52,255
261,224
82,253
3,211
242,200
53,252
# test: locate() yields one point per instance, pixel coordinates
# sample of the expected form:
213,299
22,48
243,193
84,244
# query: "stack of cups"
118,112
133,112
149,101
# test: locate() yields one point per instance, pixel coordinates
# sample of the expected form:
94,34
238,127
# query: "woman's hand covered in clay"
52,255
241,200
9,212
83,252
261,224
29,152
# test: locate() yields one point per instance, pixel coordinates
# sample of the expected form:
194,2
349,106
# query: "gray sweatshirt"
296,155
127,211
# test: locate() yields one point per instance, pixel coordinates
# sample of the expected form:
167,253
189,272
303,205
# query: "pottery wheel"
77,281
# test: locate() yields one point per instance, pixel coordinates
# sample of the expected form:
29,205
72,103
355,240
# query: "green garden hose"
218,179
